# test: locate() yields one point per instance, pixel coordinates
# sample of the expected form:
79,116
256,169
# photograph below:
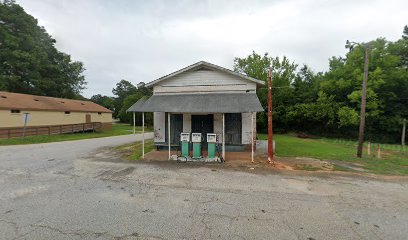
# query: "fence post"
368,148
379,151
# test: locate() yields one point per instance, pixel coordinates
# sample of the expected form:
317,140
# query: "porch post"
134,123
168,131
143,136
252,141
223,136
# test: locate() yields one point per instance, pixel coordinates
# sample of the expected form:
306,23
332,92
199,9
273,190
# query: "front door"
202,124
88,118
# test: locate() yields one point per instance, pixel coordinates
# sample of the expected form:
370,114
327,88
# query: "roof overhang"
199,103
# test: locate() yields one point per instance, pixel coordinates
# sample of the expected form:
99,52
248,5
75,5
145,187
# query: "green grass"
117,129
133,151
393,162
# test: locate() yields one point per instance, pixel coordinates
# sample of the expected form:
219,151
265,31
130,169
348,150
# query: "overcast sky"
143,40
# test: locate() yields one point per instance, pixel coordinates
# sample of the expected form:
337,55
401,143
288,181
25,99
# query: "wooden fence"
50,130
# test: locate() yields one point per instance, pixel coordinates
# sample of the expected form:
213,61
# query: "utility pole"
363,104
404,126
270,133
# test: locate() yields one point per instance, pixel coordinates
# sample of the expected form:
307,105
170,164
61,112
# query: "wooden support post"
223,136
168,131
143,136
134,123
252,137
379,151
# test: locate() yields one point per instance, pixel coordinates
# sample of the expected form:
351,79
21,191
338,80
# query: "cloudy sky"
143,40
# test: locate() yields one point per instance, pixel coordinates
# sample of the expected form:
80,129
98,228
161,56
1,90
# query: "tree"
122,90
106,101
284,73
328,103
29,60
127,103
126,95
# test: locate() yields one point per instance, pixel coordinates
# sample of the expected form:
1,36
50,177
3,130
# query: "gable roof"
208,65
20,101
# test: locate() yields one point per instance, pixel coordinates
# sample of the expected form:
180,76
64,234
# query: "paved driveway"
71,190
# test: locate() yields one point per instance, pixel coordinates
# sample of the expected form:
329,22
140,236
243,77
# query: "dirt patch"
115,175
284,165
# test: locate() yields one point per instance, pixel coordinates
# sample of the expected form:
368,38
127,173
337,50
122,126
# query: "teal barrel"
211,150
196,150
184,149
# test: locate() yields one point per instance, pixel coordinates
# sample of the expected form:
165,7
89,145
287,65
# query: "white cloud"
141,41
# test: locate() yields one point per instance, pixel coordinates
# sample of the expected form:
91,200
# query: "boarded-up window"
176,128
233,128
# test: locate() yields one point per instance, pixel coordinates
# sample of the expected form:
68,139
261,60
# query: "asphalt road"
72,190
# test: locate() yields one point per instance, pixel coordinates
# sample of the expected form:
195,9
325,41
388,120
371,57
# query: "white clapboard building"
204,98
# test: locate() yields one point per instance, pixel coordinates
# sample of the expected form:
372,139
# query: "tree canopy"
329,103
29,61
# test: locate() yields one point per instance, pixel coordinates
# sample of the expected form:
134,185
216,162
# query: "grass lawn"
133,151
392,162
117,129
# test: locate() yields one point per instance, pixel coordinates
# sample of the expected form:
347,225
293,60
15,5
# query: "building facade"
203,98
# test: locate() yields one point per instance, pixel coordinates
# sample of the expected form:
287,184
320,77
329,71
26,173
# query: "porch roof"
199,103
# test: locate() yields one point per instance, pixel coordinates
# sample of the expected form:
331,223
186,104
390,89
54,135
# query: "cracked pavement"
72,190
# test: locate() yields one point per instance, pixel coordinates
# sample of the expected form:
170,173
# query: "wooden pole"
368,148
363,105
143,136
134,123
270,130
168,127
379,151
223,136
252,137
404,126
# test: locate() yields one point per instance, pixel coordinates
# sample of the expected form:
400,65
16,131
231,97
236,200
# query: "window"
15,111
67,112
99,113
